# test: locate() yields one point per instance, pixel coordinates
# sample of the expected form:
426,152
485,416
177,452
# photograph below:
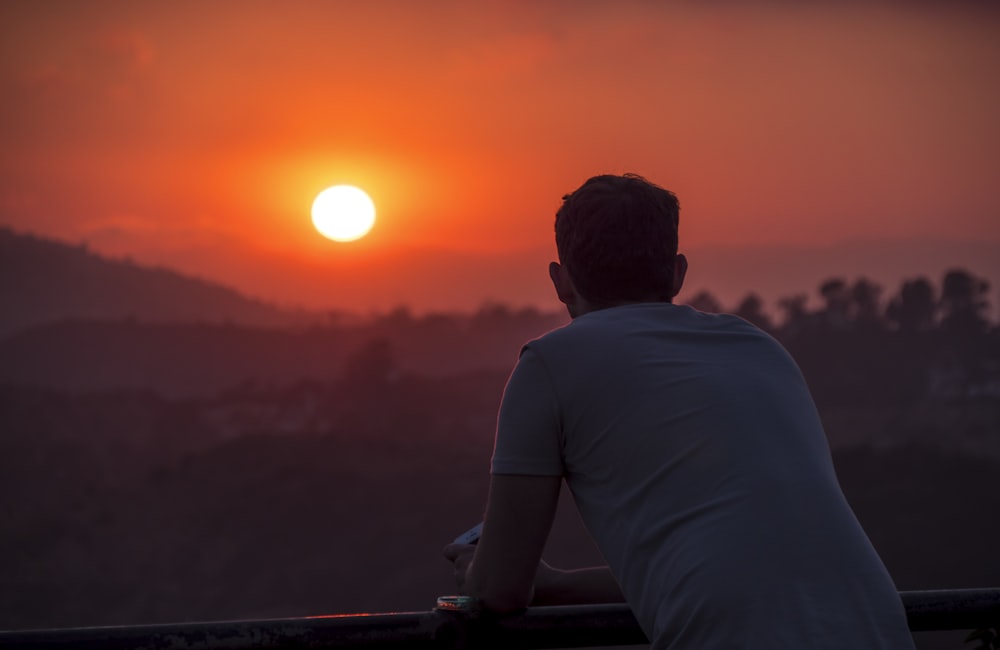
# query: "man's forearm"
519,513
576,587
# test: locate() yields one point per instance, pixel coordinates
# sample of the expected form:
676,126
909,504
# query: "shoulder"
634,334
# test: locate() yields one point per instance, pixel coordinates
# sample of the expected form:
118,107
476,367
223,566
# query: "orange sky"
195,135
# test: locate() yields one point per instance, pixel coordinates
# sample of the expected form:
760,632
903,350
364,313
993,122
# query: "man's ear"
562,283
680,270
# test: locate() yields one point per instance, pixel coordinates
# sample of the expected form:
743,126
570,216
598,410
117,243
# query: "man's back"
699,465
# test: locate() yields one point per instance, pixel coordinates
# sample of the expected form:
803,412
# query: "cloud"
86,90
91,60
157,239
128,48
113,64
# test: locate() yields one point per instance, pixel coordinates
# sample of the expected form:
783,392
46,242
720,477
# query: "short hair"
617,238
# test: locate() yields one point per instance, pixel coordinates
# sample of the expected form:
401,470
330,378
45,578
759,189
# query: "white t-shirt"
699,465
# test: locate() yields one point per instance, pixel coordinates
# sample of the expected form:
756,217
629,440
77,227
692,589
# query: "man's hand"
461,556
504,571
552,586
500,569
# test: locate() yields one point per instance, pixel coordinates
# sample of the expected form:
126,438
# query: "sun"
343,213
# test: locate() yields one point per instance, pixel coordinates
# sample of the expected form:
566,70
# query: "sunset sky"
196,135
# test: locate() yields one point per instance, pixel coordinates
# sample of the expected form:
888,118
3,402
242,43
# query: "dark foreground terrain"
174,527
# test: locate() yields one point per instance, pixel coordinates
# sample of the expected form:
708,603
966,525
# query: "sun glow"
343,213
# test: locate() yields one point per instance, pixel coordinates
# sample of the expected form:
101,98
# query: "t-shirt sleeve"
528,427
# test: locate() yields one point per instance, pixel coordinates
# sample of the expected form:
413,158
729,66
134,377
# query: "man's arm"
518,518
505,572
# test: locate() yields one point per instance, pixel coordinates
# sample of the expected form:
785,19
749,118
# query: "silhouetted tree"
963,302
368,394
837,297
913,310
796,317
706,302
491,319
865,308
751,308
370,368
400,317
850,306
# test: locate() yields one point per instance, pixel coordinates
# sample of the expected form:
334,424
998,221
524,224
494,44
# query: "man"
693,451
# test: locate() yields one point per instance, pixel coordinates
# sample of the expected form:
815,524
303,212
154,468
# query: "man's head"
617,243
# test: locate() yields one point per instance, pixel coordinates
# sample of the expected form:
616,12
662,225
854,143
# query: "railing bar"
537,627
951,609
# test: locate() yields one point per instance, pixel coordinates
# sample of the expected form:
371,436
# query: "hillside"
42,280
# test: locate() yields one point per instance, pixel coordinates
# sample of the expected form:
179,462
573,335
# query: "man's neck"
585,306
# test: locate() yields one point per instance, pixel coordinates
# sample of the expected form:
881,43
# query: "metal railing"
575,626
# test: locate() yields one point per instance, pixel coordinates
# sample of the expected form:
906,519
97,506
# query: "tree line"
926,341
959,305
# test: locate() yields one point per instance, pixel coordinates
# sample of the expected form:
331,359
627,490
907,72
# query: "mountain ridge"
44,280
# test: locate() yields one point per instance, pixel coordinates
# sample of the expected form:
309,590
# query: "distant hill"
42,280
171,359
